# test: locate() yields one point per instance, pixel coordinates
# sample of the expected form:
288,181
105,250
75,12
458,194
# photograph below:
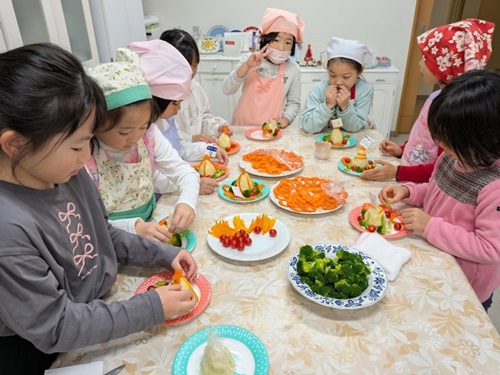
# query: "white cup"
322,150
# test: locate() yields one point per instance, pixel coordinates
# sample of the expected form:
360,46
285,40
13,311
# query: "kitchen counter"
429,322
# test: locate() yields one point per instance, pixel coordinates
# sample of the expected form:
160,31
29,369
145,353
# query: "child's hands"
222,156
283,122
331,96
182,218
152,230
257,57
343,96
207,185
384,173
174,301
204,137
229,130
415,219
393,193
185,261
390,148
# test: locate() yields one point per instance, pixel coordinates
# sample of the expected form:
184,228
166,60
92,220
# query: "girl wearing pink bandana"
447,52
270,79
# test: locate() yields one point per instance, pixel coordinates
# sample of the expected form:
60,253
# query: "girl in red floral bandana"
447,52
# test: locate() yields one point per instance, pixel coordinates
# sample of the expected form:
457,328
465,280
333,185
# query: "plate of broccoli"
337,276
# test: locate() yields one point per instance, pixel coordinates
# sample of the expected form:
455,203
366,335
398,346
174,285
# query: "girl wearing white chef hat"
345,94
271,80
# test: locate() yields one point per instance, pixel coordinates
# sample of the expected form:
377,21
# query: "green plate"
249,353
265,192
351,141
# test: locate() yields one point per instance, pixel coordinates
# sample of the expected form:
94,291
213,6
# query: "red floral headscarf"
453,49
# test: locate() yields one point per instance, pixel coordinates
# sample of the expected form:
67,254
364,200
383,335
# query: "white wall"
384,25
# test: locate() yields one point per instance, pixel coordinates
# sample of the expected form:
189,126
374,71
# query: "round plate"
189,241
351,141
256,134
217,30
349,171
235,147
276,202
353,219
263,246
377,281
218,166
200,285
265,193
252,28
249,353
248,167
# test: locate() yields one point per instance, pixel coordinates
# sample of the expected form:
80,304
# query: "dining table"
429,321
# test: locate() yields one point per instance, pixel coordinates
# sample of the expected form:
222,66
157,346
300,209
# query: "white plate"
377,281
248,167
263,245
276,202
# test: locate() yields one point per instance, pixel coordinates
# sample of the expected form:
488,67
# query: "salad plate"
353,219
249,353
200,285
235,147
343,168
265,193
256,134
263,245
377,281
351,141
218,166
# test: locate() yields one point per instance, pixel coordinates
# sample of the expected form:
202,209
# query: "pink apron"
262,99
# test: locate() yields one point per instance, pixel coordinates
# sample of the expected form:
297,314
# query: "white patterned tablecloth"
429,322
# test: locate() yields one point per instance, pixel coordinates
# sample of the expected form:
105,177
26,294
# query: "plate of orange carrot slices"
308,195
272,162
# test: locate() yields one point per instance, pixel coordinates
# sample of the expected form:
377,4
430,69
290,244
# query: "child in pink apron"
448,51
270,79
131,151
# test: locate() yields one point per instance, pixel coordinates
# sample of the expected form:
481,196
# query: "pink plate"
256,134
218,166
200,285
235,147
353,219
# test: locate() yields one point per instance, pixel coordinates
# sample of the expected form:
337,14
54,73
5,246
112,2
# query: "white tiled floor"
494,311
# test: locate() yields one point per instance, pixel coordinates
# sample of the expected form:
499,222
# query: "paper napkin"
391,258
93,368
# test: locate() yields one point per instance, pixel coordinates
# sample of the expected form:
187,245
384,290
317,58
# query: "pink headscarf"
167,71
277,20
453,49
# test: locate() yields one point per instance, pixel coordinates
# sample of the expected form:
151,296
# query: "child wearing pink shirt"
447,52
461,202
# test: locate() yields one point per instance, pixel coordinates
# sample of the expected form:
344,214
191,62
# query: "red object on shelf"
308,58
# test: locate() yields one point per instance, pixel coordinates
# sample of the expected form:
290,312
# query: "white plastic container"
235,43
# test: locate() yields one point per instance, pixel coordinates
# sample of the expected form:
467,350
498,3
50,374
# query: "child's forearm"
242,70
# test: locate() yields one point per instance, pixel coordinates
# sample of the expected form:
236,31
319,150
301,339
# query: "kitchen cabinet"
213,69
66,23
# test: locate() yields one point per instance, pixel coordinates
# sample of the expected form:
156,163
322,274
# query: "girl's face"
57,161
127,132
172,109
427,74
342,74
282,42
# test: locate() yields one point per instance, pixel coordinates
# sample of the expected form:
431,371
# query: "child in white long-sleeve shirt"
131,150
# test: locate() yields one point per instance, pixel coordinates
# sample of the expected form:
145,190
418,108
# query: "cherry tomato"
347,160
248,241
344,141
242,232
257,230
269,130
398,226
226,242
372,228
387,214
241,246
354,168
222,238
272,232
370,161
234,243
360,217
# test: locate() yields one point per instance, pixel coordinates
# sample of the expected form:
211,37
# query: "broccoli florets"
342,277
176,240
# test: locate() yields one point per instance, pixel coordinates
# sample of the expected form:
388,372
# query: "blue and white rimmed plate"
265,193
377,281
351,141
189,240
249,353
344,169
